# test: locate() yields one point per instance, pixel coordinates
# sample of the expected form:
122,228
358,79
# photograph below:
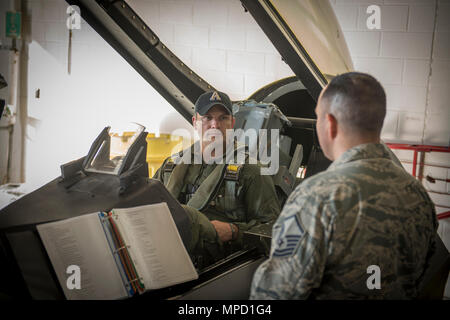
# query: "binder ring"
121,248
134,280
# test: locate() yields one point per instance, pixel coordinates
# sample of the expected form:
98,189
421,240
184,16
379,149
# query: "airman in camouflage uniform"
219,208
364,210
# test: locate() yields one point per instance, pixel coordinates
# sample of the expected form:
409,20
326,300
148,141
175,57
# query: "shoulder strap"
173,172
231,179
167,169
174,177
208,188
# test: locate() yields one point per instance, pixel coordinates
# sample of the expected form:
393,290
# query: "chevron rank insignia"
289,236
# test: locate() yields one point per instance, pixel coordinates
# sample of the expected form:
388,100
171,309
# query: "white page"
155,245
81,241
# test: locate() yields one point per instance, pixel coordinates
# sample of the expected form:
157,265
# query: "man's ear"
332,126
233,120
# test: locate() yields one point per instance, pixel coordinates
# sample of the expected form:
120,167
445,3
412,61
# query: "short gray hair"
358,101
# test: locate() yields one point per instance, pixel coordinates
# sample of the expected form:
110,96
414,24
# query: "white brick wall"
237,16
177,12
442,45
443,23
406,44
438,111
421,18
390,125
363,44
406,98
191,35
246,62
276,67
393,18
227,37
437,128
439,186
400,56
415,72
213,59
388,69
439,96
220,37
257,41
210,13
410,126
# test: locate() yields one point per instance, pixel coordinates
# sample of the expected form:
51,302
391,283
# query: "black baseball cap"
212,98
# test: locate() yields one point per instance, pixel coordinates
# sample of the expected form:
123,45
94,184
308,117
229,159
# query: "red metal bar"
443,215
418,147
427,164
423,148
433,180
414,164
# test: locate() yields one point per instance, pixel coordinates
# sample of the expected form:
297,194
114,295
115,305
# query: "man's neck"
344,143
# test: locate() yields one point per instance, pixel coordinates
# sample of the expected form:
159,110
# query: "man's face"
216,120
322,127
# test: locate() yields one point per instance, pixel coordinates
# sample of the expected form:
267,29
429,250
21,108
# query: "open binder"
119,253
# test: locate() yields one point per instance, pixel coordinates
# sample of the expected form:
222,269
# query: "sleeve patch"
290,235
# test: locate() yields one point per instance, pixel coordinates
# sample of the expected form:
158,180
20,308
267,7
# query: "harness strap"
207,190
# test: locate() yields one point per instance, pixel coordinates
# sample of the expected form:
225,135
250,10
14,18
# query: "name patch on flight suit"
290,235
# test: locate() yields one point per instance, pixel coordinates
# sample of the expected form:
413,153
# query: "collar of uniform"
362,151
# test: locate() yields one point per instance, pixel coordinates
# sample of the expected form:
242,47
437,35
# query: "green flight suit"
247,203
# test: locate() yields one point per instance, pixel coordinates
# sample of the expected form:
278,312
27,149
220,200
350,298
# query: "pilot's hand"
224,230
